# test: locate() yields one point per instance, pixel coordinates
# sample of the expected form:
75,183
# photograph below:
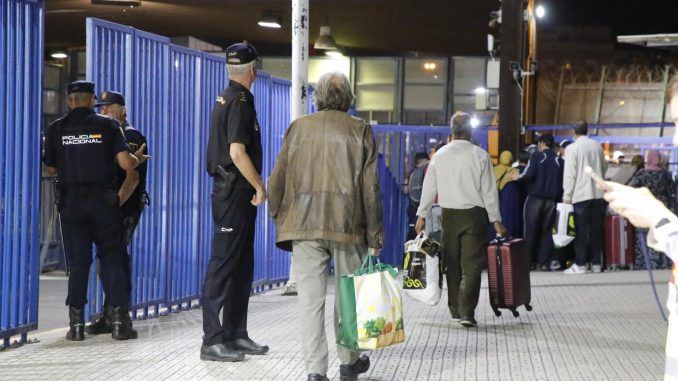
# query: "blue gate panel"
21,63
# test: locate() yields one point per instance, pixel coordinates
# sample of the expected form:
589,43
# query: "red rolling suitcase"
508,274
619,242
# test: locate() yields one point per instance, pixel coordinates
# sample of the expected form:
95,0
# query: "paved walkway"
587,327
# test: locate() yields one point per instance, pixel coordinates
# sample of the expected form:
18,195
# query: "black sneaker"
351,372
469,322
317,377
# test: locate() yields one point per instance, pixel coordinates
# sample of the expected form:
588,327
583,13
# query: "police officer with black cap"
82,149
234,160
131,187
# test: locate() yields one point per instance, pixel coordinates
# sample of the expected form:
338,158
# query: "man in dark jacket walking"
543,176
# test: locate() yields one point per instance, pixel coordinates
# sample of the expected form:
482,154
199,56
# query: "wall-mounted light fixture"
59,55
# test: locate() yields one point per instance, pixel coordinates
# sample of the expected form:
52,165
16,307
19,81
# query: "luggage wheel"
514,312
497,313
528,307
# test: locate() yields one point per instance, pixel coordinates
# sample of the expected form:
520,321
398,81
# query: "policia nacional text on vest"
82,149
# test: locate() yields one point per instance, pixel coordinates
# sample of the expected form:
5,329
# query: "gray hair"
460,124
236,70
333,92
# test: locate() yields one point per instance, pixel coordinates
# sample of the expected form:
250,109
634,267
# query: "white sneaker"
575,270
596,269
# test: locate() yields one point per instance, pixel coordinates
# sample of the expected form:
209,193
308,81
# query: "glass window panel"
50,102
423,97
379,98
52,76
423,70
464,103
376,71
278,67
319,66
469,74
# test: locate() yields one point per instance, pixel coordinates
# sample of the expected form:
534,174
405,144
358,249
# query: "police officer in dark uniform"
131,187
82,149
234,160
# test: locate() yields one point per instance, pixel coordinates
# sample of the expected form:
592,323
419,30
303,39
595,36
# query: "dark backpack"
416,183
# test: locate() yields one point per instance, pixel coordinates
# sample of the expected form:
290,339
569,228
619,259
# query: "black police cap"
81,87
241,53
111,97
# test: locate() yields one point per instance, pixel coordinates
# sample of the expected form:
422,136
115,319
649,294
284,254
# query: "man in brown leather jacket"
324,197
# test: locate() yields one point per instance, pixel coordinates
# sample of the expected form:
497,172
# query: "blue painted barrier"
21,63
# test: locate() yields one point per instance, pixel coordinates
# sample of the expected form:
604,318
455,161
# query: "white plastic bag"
563,228
423,280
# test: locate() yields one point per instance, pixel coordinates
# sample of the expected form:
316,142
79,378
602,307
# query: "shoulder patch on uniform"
243,96
221,100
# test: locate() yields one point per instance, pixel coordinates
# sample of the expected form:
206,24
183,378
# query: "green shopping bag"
371,307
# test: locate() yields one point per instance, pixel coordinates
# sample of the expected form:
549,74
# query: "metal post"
556,118
665,86
299,101
510,92
599,100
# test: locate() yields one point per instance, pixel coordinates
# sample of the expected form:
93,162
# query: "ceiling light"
325,41
270,21
117,2
334,54
480,90
59,55
540,11
429,66
621,103
475,122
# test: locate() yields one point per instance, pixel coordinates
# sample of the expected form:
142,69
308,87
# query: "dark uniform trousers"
129,224
228,281
539,216
88,217
464,244
589,226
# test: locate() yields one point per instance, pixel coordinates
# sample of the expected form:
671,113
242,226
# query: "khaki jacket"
325,183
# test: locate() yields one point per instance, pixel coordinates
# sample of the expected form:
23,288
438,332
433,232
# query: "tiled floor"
587,327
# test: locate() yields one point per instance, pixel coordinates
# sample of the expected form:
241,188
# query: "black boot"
351,372
122,324
102,324
77,324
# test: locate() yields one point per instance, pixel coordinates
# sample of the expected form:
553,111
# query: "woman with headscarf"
660,183
511,195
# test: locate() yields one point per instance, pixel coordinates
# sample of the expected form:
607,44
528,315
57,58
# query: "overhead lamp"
429,66
480,90
325,41
540,11
270,21
475,122
334,54
59,55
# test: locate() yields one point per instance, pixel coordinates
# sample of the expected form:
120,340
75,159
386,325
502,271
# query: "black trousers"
129,224
539,215
228,281
589,225
94,218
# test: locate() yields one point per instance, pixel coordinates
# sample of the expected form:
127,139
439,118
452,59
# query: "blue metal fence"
21,62
171,91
